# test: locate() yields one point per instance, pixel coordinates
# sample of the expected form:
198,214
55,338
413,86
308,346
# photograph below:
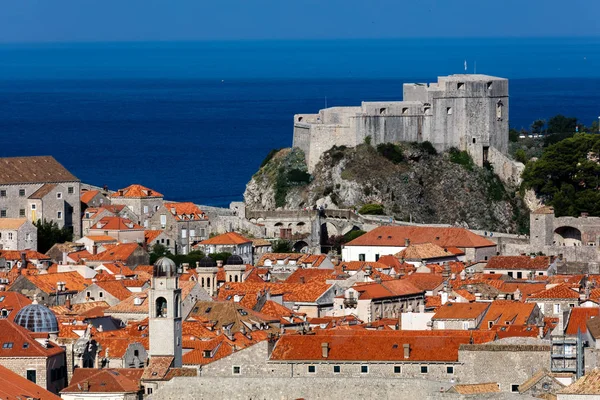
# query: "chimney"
100,328
406,242
149,193
23,260
68,304
477,296
541,329
444,297
406,350
120,192
325,349
94,249
173,211
85,386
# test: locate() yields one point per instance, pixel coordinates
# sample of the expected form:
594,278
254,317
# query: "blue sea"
194,120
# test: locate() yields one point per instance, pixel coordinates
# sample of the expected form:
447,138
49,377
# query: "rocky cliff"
411,181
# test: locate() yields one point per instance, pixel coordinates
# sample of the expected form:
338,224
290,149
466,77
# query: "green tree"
372,209
158,251
48,234
282,246
567,175
513,135
521,156
561,124
391,151
538,126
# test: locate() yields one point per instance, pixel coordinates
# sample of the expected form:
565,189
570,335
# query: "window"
59,195
237,369
571,305
312,369
2,193
59,215
31,376
427,110
405,110
168,242
489,86
556,308
376,257
382,111
474,140
336,369
183,233
460,85
163,220
192,233
449,110
206,354
100,294
364,369
397,369
7,345
26,345
3,213
21,212
149,391
519,275
21,192
499,110
33,207
465,325
510,273
70,190
28,237
361,257
145,209
4,313
10,235
514,388
449,369
424,369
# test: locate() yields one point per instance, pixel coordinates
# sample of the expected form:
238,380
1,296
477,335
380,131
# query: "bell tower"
165,312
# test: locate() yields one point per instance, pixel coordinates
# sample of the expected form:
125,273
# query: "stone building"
94,198
463,316
184,223
144,202
122,229
469,112
555,301
39,188
52,289
17,234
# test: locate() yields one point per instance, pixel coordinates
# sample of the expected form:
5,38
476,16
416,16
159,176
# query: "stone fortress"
469,112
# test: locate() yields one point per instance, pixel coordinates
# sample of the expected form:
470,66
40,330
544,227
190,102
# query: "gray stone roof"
39,169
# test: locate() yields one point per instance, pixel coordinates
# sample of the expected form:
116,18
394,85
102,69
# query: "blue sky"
149,20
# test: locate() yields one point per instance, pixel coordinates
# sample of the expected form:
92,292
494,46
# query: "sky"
178,20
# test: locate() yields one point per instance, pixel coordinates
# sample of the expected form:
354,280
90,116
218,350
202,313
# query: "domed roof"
37,318
164,267
207,262
234,260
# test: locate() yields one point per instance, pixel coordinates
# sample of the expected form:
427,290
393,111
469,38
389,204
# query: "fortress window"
460,85
299,119
427,110
499,106
489,86
382,111
449,110
474,140
405,110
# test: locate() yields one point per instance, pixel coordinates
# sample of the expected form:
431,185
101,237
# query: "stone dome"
164,267
37,318
234,260
207,262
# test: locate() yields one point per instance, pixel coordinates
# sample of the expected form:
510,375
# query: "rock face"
423,187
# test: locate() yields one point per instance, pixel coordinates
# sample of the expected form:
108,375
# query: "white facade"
368,253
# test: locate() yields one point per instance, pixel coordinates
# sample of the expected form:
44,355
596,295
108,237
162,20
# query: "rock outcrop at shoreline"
417,185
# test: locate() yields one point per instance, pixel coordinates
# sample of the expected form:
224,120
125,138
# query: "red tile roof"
115,252
48,282
539,263
15,387
387,289
150,236
425,281
116,224
303,275
18,336
105,381
88,195
136,191
445,237
364,345
507,312
13,302
424,251
578,318
101,238
556,292
229,238
461,310
15,255
115,288
187,211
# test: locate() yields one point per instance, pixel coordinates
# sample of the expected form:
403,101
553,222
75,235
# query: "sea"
194,120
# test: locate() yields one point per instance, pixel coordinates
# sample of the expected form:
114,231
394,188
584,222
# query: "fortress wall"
302,138
507,169
324,137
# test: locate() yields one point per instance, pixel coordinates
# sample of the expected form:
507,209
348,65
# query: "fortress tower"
165,312
469,112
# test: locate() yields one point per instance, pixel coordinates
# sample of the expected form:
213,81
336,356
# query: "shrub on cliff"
461,157
391,151
372,209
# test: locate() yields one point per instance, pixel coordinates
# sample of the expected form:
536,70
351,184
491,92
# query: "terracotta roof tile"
423,251
303,275
48,282
104,381
116,224
425,281
578,318
23,343
475,388
116,288
507,312
87,195
445,237
186,211
15,255
14,387
556,292
589,384
150,236
460,311
157,368
12,223
128,305
540,263
115,252
101,238
136,191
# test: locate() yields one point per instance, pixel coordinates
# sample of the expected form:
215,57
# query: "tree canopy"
48,234
567,175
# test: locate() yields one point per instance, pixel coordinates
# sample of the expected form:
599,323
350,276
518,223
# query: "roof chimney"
85,386
23,259
325,349
406,242
406,350
94,249
120,192
173,211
